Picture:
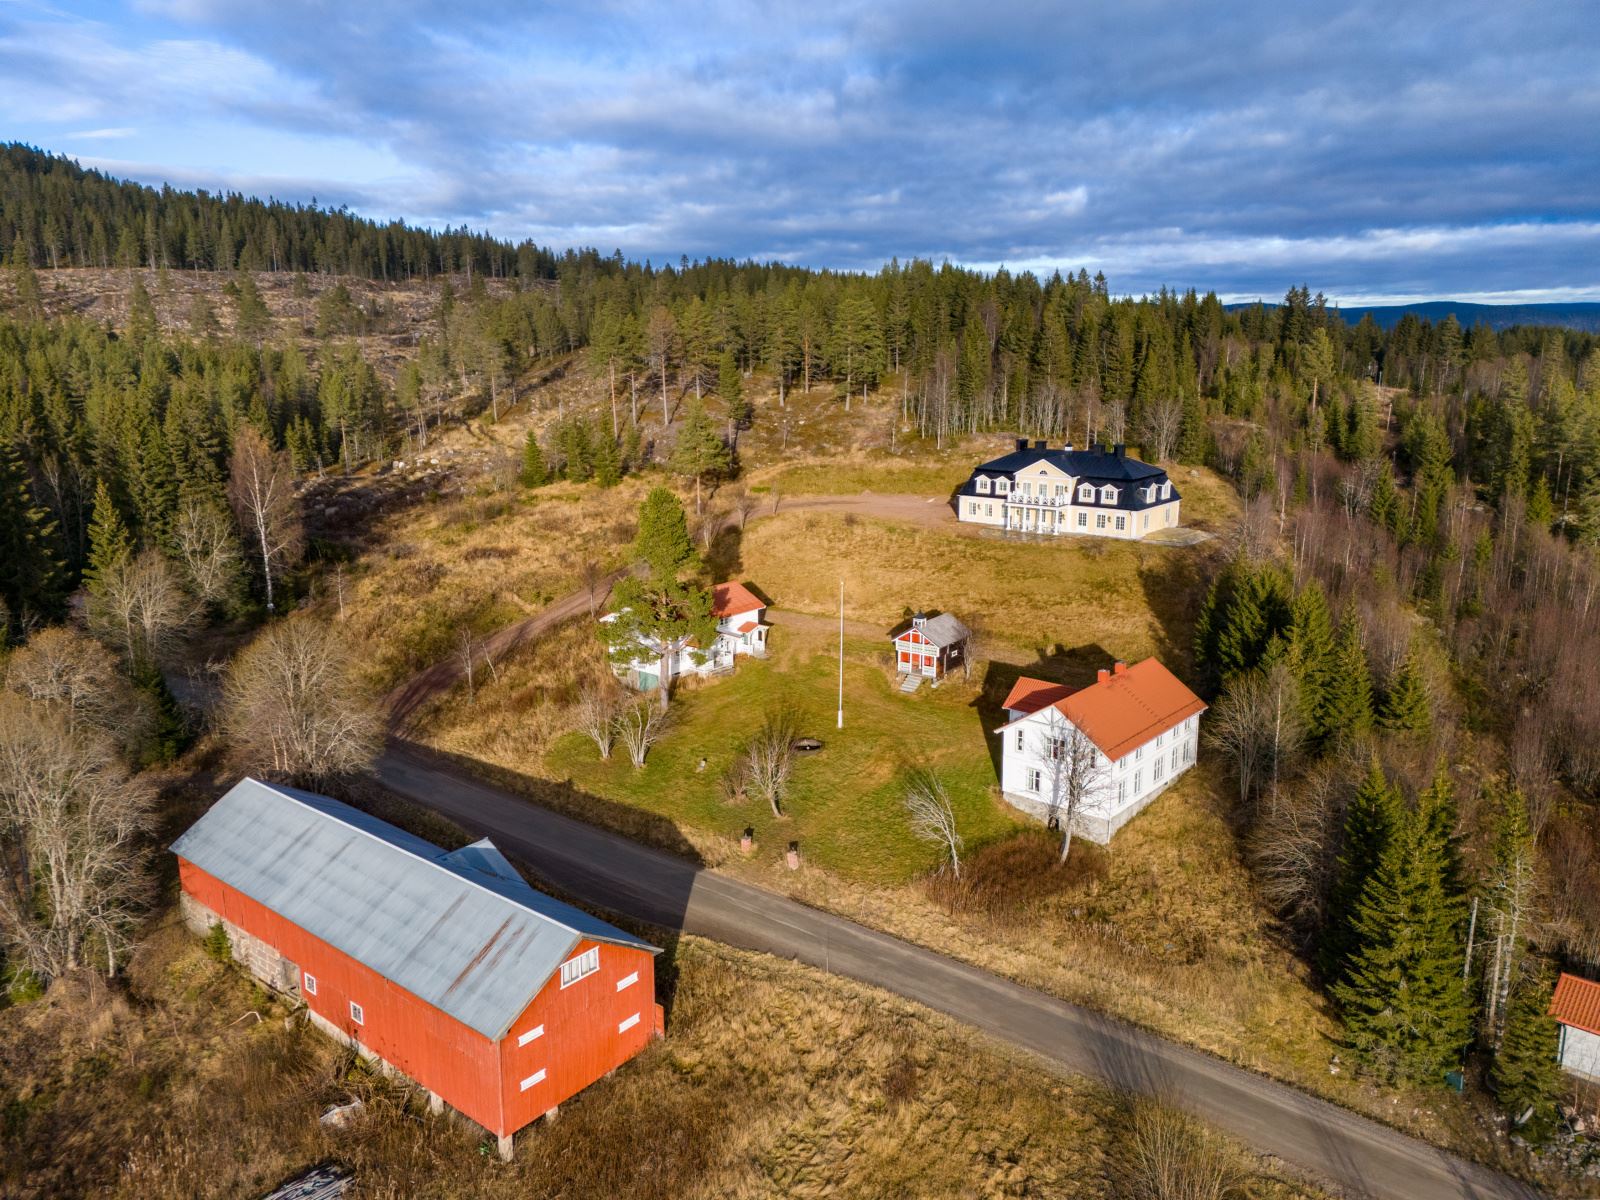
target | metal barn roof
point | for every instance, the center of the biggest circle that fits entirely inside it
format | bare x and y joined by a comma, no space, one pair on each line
460,930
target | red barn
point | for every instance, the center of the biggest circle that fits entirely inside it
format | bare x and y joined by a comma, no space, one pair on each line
443,966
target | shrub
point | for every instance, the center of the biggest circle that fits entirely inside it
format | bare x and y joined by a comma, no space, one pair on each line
218,945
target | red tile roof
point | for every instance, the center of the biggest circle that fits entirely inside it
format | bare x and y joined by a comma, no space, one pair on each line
731,599
748,626
1577,1003
1125,710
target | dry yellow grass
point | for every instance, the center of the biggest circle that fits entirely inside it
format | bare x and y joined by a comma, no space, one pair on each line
774,1081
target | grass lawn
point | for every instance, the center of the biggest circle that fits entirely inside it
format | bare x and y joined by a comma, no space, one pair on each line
844,803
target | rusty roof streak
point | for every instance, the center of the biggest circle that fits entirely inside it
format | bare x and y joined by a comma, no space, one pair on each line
478,957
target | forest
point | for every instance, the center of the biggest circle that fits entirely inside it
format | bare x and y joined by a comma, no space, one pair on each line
1414,582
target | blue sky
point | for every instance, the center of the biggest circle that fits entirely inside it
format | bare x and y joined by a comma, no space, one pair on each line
1389,150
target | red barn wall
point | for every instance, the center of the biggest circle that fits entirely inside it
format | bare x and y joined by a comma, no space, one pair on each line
433,1048
581,1041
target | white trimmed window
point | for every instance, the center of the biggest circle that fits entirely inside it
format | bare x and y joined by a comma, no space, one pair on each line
1083,520
356,1014
1122,522
1002,486
1019,739
1099,520
1188,751
1085,491
972,508
1157,770
309,984
1122,788
1027,488
583,964
536,1077
1166,491
627,981
983,485
1108,494
536,1032
1137,781
1034,779
624,1026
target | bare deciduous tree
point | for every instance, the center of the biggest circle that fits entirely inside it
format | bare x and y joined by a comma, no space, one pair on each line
1073,768
71,818
60,668
292,704
769,758
932,818
1160,425
1258,722
1293,842
745,503
638,728
261,491
139,606
596,713
208,551
1171,1156
593,577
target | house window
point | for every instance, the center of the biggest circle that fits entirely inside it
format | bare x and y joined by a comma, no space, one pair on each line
1061,489
1166,491
1085,492
1122,788
988,510
1019,740
983,485
1122,522
536,1077
1160,738
1055,748
972,508
310,984
1027,488
356,1015
1034,779
1157,770
1138,754
1099,520
1083,520
536,1032
1137,778
627,981
1188,751
1147,521
575,969
624,1026
1002,486
1108,494
1177,752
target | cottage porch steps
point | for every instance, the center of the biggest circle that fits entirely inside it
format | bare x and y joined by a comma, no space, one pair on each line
910,683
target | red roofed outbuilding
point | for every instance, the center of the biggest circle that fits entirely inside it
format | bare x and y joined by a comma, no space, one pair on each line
445,967
1576,1007
1142,723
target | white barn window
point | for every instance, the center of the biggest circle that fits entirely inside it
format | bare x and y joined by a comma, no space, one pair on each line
584,964
629,1023
536,1032
536,1077
310,984
627,981
356,1013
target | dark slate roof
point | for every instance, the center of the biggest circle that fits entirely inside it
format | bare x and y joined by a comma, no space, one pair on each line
460,930
1085,466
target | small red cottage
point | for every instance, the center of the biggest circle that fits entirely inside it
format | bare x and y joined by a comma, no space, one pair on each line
445,967
930,646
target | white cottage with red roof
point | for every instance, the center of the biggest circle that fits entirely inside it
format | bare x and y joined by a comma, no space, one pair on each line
1576,1007
740,630
1144,728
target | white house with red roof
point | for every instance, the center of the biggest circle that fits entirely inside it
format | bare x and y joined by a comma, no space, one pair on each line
1144,728
740,630
1576,1008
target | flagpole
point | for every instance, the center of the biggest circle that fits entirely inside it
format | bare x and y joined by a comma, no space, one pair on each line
841,654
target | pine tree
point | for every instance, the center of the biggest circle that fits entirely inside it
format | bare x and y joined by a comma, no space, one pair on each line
534,473
1347,701
730,386
1369,824
1405,707
665,611
110,546
1526,1075
699,453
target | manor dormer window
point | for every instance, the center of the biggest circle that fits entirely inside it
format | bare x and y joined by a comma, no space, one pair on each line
1002,486
1108,494
1085,491
1166,490
983,485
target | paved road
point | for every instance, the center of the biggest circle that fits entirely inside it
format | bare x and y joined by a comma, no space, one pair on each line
1363,1158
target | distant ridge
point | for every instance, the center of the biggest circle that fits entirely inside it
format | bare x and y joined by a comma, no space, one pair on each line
1581,316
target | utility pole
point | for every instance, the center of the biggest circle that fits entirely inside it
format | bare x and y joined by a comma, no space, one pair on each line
841,654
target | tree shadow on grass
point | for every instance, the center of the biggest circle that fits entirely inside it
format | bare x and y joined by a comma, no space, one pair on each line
1175,581
1074,668
725,558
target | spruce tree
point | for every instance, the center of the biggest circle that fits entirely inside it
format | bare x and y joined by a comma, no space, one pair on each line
1526,1075
1257,611
31,580
1369,824
110,546
1406,708
699,453
607,460
1400,991
1347,701
534,473
1541,508
1311,651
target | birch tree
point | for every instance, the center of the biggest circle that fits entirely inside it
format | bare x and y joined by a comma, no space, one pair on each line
931,816
261,492
207,551
1073,769
769,758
